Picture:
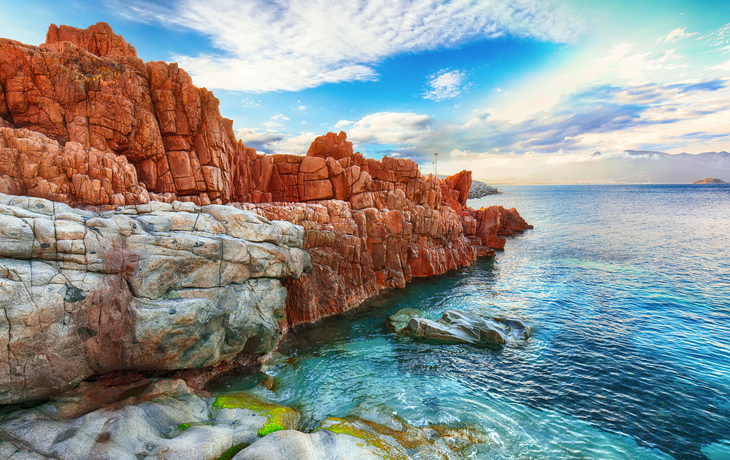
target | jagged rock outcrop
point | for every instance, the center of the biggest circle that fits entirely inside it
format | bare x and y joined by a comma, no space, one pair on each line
31,164
148,287
89,87
486,227
357,252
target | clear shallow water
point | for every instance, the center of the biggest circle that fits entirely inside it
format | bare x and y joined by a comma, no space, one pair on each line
628,291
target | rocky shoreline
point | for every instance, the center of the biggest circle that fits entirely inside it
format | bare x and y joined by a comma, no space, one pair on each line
141,240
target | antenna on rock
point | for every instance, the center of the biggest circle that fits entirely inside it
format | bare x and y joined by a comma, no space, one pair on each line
436,164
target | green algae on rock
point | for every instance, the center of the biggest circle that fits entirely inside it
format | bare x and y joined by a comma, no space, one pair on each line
399,320
278,417
342,426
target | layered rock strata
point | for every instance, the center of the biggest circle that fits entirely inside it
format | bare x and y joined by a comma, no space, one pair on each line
147,287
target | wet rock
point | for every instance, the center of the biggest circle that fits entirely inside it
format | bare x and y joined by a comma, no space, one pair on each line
461,327
400,319
160,419
357,438
518,328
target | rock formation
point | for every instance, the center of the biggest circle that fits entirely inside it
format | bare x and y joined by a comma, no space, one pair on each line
165,419
147,287
479,189
161,419
457,326
157,282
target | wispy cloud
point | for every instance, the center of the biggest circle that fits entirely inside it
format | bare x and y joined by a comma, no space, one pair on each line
445,84
600,117
676,35
296,44
390,128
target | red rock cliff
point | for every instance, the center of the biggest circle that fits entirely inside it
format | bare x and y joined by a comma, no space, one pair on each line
85,122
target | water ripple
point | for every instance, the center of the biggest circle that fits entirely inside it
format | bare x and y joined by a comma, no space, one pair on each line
627,289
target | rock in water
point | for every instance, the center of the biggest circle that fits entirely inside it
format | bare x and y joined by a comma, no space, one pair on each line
400,319
480,189
519,329
459,327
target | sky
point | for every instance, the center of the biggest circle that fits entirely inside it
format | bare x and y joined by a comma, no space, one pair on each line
494,86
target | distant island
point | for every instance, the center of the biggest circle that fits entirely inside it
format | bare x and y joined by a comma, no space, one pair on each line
709,180
479,189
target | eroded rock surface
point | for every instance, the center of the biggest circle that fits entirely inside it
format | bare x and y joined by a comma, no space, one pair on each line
148,287
356,438
457,326
161,419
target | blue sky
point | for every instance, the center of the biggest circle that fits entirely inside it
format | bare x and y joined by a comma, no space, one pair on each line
490,85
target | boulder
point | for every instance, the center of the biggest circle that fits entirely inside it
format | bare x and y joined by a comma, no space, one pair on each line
460,327
365,439
148,287
400,319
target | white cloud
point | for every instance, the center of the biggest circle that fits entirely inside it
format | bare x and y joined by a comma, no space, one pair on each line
302,107
391,128
637,68
296,44
456,153
676,35
248,101
343,123
280,116
273,142
445,84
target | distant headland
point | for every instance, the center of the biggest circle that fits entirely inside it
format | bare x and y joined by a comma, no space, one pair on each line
709,180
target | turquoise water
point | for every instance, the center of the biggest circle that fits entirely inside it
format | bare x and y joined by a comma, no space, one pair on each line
628,291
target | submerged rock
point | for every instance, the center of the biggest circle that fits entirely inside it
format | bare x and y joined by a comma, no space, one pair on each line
458,327
356,438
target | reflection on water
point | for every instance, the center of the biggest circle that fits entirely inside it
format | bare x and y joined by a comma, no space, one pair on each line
627,289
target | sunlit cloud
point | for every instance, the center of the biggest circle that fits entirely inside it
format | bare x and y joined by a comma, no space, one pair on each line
445,84
390,128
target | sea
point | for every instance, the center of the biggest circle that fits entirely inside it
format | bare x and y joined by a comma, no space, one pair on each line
627,289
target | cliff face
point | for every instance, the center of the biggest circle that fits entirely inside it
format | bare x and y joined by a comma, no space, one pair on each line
84,122
88,87
148,287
